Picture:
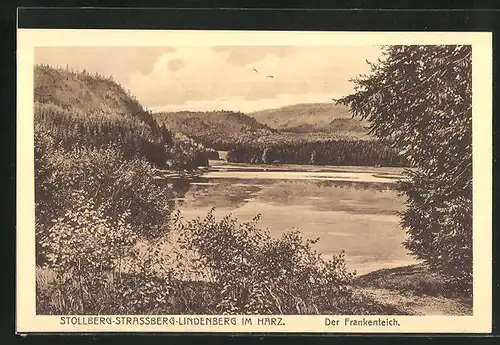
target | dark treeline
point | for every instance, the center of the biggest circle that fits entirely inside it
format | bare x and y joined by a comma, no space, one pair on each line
223,144
132,137
331,152
129,135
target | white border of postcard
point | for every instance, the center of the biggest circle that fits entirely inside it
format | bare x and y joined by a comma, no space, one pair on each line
480,322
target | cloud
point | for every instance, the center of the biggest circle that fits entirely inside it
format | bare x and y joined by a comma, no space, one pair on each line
175,64
119,62
210,74
244,55
240,104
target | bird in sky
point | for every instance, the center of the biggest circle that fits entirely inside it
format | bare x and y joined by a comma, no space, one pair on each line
269,76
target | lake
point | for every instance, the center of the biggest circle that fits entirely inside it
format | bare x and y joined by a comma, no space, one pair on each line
349,208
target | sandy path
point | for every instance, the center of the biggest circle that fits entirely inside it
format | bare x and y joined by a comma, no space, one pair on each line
417,305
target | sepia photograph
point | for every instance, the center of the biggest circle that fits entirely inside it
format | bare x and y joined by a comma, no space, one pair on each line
276,180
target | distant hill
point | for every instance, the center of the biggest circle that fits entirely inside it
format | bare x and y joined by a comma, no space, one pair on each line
222,122
214,126
223,130
311,118
77,108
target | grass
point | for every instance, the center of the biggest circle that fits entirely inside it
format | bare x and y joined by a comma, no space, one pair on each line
188,297
416,279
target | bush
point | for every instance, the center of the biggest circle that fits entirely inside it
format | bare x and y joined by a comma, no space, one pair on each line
83,244
256,274
97,266
115,184
233,268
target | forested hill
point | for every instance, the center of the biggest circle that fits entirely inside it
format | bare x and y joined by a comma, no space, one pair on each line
311,118
215,128
79,109
301,123
216,123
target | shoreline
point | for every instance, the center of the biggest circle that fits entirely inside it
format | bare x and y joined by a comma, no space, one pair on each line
412,290
225,170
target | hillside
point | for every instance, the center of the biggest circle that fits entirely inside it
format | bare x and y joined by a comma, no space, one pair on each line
220,123
85,92
215,127
89,110
311,118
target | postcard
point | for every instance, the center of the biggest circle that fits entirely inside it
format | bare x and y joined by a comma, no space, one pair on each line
254,181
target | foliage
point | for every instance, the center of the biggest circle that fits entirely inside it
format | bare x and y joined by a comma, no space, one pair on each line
121,185
418,99
81,238
187,153
92,209
97,271
255,273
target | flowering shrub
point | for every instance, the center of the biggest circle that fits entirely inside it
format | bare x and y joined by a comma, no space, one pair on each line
86,239
84,244
98,271
116,184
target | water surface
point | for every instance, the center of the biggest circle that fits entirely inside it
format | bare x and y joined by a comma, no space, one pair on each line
349,208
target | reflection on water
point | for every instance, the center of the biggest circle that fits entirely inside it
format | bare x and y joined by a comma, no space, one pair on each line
359,217
225,195
360,177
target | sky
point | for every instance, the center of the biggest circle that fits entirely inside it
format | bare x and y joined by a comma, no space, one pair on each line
240,78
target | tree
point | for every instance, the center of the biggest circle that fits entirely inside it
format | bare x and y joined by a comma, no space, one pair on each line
313,159
166,135
267,156
418,99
